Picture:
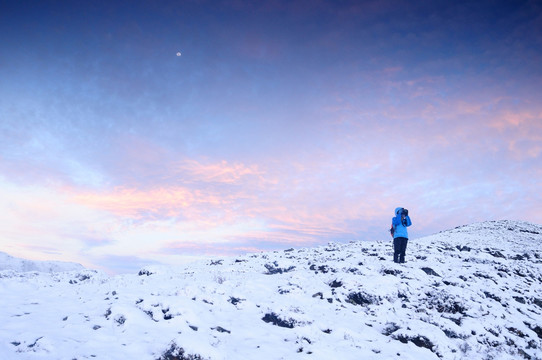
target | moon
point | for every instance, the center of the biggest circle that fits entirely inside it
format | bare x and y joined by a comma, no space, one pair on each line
178,53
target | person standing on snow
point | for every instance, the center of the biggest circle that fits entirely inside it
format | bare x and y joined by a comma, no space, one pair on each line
399,232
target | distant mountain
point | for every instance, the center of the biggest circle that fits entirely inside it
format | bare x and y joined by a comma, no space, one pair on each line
474,292
8,262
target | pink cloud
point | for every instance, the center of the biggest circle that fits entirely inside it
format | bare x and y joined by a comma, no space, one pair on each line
131,202
522,132
204,189
220,172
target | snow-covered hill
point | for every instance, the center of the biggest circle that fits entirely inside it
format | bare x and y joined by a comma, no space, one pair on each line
8,262
474,292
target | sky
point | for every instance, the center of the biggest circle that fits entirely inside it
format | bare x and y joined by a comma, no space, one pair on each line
142,132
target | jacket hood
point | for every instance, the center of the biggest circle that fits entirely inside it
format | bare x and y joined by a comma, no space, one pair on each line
398,210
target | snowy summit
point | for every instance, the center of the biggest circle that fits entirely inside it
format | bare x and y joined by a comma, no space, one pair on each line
8,262
474,292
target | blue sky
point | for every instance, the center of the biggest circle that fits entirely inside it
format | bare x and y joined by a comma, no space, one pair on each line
281,124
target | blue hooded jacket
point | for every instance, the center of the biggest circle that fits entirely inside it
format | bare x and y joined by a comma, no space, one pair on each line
400,230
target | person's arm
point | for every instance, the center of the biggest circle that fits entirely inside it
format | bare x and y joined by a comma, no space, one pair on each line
408,222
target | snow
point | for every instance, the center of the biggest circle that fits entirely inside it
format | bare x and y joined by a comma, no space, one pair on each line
474,292
8,262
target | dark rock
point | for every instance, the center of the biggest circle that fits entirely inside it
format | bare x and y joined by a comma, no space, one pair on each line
456,321
234,300
336,284
390,329
524,354
150,314
450,334
494,332
120,320
177,353
318,294
83,277
463,248
145,272
452,308
36,341
516,332
393,272
519,299
538,330
444,303
495,253
430,271
275,320
272,270
217,262
324,269
492,296
419,341
520,257
362,299
221,329
484,276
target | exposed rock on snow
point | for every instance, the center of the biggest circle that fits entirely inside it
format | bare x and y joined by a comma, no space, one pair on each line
474,292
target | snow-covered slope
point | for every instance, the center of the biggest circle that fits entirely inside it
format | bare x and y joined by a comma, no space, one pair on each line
8,262
474,292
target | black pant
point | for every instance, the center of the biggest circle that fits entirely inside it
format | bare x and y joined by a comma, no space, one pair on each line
399,247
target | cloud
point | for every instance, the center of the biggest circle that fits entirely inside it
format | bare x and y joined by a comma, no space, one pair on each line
205,189
42,223
219,172
522,131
